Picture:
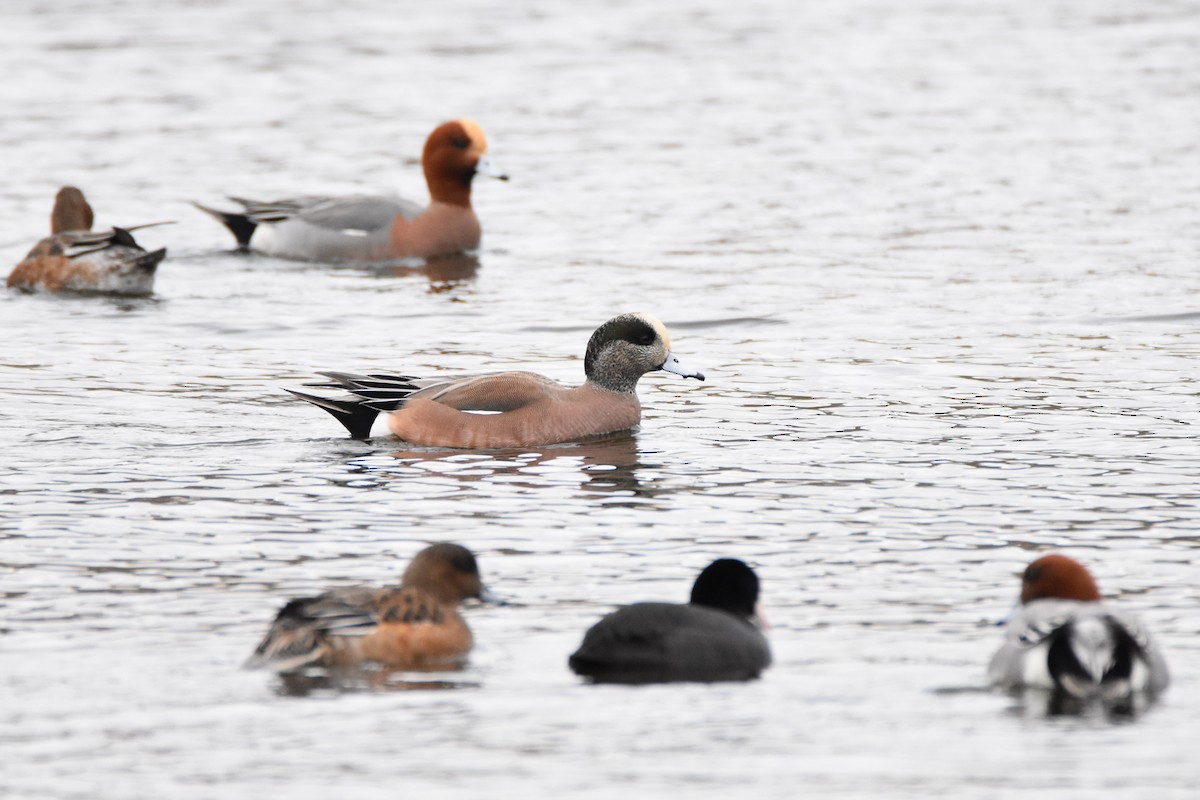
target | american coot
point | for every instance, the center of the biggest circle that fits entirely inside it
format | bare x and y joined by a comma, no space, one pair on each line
712,638
414,625
1065,639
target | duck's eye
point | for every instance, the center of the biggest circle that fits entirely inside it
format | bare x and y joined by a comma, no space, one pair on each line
644,338
460,142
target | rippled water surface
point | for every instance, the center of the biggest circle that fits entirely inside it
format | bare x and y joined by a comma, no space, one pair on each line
938,259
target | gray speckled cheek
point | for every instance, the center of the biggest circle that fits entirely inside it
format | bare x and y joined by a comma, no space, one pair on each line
616,369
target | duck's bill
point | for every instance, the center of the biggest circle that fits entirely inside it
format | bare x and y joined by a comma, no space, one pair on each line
485,166
760,617
490,597
673,364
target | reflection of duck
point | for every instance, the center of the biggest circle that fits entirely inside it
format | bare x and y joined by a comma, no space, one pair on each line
372,227
74,258
608,465
443,272
1064,639
531,410
415,625
304,683
711,638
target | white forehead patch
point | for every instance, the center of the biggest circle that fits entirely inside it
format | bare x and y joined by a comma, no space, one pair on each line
474,132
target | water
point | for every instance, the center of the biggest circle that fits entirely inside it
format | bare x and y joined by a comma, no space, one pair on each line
938,261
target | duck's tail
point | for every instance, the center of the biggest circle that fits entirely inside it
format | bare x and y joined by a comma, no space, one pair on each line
1093,656
148,262
239,224
369,395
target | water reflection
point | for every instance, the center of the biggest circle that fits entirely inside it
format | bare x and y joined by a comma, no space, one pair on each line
612,466
444,272
315,680
1045,703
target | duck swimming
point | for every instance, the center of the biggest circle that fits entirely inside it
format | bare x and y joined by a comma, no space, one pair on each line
530,410
376,227
74,258
415,625
1066,639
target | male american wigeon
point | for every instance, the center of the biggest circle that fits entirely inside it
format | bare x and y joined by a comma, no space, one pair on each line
533,410
415,625
373,227
715,637
1064,638
74,258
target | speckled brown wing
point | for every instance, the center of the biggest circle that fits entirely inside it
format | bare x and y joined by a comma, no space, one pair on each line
303,630
414,631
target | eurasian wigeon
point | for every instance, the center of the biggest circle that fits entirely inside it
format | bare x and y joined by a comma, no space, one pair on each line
377,228
1064,638
413,626
74,258
714,637
533,410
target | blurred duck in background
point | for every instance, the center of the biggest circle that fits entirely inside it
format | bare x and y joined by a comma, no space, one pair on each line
74,258
377,227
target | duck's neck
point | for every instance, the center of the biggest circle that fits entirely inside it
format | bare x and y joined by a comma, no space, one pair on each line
452,189
613,382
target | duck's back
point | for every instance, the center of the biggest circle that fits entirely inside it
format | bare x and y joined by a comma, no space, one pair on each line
352,228
88,261
1082,648
654,642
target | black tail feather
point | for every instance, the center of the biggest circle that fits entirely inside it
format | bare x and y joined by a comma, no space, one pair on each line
240,225
372,394
150,261
355,415
353,382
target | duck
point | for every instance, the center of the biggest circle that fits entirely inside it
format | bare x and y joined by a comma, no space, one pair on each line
716,636
74,258
1064,638
528,410
365,227
415,625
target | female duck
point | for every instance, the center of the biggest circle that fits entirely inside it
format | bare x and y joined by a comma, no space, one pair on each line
715,637
377,228
533,410
74,258
413,626
1065,639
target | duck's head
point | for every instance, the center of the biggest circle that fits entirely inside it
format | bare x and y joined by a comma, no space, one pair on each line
454,153
71,211
447,571
625,348
1058,577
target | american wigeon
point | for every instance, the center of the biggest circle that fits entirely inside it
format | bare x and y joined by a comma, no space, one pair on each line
1065,639
74,258
377,228
713,638
413,626
533,410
